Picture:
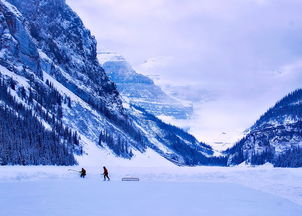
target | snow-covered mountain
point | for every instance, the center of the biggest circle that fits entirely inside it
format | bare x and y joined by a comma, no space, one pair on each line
66,108
141,90
276,137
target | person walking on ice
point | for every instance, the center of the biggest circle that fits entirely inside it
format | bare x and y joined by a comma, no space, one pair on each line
105,173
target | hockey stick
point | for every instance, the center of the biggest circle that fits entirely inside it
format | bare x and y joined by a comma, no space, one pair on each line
73,170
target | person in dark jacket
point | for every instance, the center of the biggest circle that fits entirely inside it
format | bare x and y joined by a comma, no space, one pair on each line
105,173
83,173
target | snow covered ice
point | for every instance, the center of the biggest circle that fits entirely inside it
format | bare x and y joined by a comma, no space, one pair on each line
161,191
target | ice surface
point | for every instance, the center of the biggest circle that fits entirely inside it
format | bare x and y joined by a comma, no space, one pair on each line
211,191
95,197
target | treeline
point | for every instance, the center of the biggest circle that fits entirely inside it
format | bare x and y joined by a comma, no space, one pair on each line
174,132
23,138
191,151
290,158
191,155
244,150
119,119
117,144
290,106
35,145
47,102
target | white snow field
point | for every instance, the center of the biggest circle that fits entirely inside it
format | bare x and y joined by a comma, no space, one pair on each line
240,191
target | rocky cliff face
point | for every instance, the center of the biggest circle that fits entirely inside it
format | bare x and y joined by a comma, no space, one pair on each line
68,50
17,47
50,73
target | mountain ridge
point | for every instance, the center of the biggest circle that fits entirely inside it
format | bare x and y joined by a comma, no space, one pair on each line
275,137
49,64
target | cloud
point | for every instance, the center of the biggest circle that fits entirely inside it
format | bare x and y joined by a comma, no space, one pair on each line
290,70
155,62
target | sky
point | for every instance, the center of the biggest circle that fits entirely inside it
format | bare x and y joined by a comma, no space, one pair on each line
236,58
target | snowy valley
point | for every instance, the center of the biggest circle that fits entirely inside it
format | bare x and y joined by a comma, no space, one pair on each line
50,74
63,106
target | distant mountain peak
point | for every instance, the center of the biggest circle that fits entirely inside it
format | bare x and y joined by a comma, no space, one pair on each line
140,89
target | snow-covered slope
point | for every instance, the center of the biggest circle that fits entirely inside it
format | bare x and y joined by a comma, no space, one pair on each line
141,90
276,137
49,67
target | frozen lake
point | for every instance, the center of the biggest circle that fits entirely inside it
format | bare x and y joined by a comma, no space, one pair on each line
95,197
39,191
